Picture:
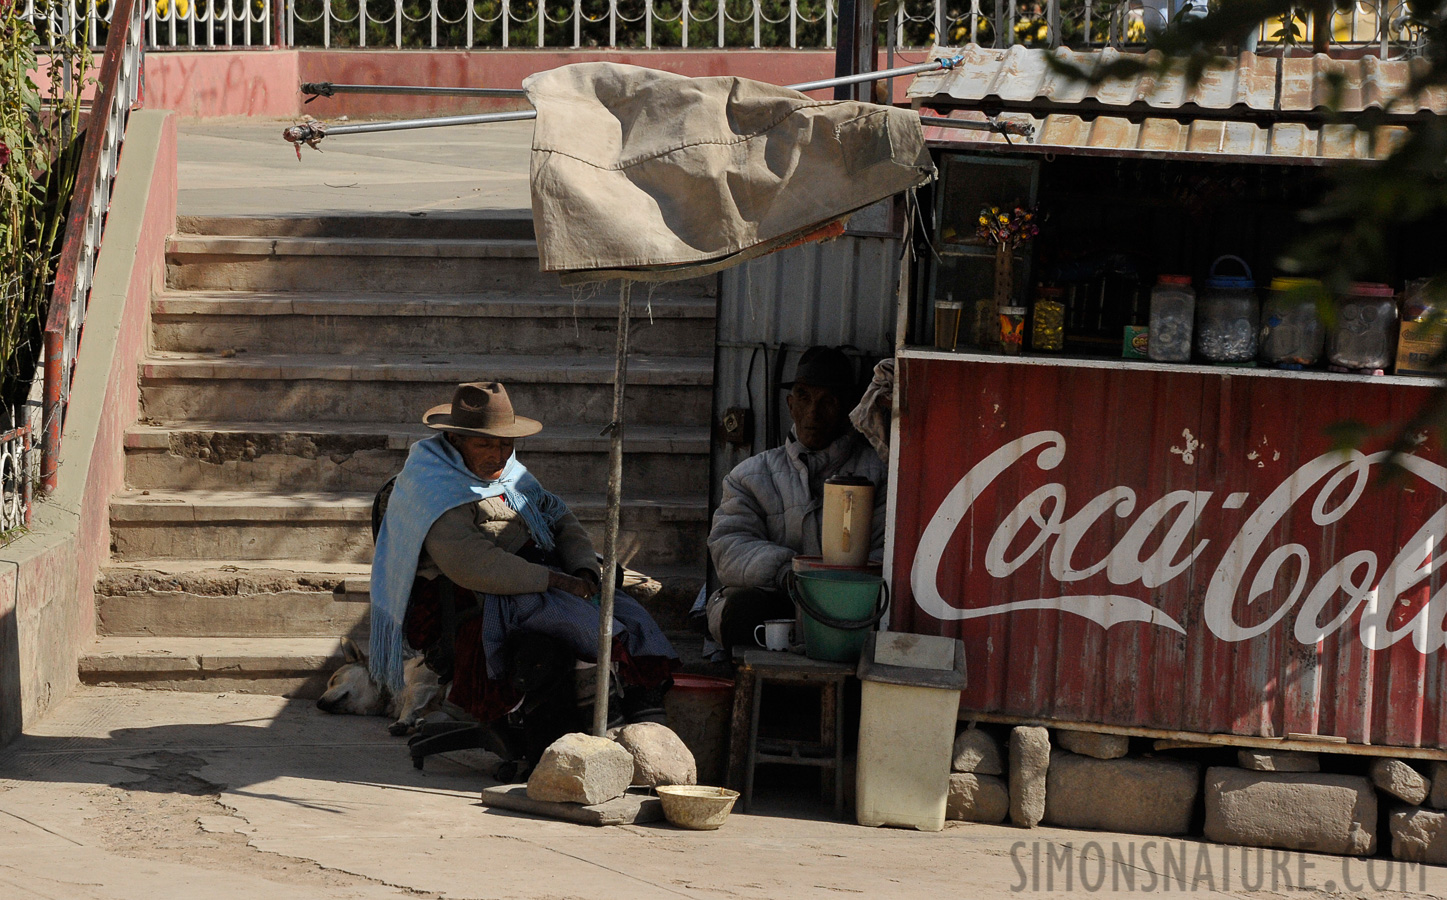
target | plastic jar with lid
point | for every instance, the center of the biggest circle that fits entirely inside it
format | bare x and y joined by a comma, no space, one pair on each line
1227,316
1047,331
1173,312
1292,333
1364,336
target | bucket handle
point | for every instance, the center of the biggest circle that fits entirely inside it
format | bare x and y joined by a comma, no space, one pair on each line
823,618
1242,262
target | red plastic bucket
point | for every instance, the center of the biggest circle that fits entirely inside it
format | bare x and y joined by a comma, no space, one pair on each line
699,708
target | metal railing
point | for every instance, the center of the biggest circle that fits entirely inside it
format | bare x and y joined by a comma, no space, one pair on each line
105,129
1379,25
16,475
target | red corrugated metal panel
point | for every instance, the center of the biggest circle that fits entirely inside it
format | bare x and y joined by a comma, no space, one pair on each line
1173,548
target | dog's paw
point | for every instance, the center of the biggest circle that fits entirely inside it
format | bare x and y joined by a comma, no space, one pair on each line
399,728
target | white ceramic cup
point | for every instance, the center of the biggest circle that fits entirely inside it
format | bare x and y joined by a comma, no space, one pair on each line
776,634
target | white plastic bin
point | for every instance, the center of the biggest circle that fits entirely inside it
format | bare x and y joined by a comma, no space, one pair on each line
909,705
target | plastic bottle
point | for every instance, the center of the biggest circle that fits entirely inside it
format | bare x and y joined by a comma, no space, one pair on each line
1173,311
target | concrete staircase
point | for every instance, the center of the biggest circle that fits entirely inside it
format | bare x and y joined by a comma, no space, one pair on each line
292,360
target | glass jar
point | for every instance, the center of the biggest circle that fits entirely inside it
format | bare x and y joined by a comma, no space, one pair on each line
1292,333
1365,334
1173,311
1227,316
1047,327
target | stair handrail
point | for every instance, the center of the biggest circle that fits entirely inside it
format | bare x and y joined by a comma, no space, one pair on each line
116,92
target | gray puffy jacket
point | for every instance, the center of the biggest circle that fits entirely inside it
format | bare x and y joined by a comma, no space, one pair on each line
767,515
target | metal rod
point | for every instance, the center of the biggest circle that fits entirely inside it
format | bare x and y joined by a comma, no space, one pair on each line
1020,129
327,89
615,506
312,132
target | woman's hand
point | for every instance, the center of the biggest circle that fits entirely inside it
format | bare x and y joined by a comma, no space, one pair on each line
578,587
591,577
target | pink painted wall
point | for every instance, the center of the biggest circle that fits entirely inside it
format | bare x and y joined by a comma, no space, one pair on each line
266,82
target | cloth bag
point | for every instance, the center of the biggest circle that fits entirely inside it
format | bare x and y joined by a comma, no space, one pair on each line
652,176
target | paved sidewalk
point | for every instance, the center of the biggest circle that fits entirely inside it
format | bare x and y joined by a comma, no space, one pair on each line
244,168
139,795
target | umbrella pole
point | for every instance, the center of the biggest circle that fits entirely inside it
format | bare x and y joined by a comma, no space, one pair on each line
610,526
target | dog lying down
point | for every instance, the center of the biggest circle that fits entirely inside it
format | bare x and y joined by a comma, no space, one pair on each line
351,691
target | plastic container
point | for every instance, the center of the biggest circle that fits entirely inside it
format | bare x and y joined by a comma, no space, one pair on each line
1423,332
840,607
1228,316
1047,324
1012,329
699,708
1173,316
1364,336
908,706
848,517
1292,333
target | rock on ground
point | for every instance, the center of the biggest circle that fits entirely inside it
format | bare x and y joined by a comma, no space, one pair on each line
1293,811
659,755
1029,762
581,768
1090,743
1400,780
978,752
1278,761
977,798
1419,835
1438,798
1136,796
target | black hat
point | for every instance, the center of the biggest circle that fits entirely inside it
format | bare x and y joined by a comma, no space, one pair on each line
824,367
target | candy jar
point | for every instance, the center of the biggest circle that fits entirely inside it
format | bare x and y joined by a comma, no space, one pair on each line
1047,332
1292,333
1173,306
1365,334
1226,316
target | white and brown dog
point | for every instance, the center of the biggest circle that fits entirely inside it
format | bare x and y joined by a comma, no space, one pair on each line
352,691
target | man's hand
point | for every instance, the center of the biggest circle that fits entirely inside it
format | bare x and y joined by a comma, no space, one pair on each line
571,584
591,577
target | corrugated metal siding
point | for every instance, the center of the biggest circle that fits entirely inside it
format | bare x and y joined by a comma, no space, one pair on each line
1249,85
1272,529
840,293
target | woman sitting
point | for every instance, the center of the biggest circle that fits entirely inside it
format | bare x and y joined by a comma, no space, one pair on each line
464,507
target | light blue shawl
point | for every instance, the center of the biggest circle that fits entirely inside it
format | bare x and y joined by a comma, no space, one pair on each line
434,480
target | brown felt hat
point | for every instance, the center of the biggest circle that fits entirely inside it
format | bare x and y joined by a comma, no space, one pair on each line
481,408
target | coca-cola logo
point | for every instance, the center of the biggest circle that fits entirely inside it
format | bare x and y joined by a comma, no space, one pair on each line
1042,527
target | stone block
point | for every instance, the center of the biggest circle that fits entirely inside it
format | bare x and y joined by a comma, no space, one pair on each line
1278,761
659,755
978,752
1135,796
1029,762
1293,811
1438,798
1419,835
1400,780
1090,743
977,798
581,768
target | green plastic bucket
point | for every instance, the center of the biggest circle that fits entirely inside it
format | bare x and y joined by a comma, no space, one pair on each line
840,608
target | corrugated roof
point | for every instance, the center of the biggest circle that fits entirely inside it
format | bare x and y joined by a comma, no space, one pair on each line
1252,106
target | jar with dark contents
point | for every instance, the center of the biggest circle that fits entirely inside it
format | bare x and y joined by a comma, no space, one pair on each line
1047,325
1364,336
1292,333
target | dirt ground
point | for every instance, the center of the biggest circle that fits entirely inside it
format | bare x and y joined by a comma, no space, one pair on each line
141,795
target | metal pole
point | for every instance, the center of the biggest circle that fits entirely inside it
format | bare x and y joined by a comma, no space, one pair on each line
326,89
610,525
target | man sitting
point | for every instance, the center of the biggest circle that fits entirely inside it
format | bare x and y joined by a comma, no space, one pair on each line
772,503
464,507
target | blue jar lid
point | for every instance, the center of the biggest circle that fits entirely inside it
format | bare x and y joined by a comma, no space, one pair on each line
1230,282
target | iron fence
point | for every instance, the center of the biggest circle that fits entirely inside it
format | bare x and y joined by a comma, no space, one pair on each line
1380,25
17,473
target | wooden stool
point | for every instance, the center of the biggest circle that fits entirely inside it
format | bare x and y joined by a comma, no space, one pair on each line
826,754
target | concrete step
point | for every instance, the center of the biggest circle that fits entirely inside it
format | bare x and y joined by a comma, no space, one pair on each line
336,527
285,666
384,264
398,388
502,322
216,598
504,224
361,457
